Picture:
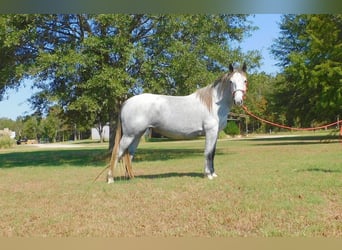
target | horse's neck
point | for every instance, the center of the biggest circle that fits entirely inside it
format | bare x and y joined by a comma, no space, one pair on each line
222,97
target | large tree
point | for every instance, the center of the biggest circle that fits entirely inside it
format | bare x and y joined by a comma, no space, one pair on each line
310,51
89,64
16,54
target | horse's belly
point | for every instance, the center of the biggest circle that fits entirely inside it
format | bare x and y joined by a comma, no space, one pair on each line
179,133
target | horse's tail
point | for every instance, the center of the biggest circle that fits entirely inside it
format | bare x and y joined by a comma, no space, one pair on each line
125,158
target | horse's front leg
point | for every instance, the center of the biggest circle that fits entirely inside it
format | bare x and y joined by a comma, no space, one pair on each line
110,176
210,148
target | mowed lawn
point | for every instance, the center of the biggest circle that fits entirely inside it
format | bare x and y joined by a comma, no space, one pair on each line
290,186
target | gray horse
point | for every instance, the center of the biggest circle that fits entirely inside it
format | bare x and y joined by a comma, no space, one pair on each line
204,112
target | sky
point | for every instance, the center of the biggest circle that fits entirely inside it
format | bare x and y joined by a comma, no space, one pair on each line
15,102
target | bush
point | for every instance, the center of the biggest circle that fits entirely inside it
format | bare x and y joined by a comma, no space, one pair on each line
232,129
6,142
222,135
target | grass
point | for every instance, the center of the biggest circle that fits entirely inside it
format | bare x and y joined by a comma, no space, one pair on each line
266,187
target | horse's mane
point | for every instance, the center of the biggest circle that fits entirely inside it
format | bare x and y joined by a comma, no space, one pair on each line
206,94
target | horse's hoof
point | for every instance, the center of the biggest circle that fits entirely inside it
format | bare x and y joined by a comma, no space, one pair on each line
210,177
214,175
110,180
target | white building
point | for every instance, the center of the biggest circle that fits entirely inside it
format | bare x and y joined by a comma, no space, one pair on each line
8,132
96,136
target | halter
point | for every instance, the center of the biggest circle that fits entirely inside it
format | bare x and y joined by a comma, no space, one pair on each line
244,91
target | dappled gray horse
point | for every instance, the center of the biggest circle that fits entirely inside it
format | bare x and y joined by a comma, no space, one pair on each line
181,117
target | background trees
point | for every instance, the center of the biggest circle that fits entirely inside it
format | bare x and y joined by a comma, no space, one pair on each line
88,64
310,52
85,65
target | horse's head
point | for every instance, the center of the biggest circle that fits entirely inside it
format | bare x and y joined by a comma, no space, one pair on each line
238,81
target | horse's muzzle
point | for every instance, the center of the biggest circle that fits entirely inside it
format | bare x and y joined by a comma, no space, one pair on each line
238,97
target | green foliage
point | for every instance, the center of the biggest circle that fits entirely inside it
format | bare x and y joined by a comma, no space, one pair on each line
6,142
17,34
7,123
260,90
89,64
31,128
232,129
50,126
260,101
310,50
222,135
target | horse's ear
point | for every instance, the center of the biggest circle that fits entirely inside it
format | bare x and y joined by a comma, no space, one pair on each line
231,68
244,67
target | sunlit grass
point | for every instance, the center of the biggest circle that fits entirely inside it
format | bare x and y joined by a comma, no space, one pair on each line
266,187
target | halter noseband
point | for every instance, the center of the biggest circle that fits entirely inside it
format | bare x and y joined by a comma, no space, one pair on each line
242,90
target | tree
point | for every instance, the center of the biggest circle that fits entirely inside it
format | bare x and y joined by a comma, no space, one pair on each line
51,125
310,50
31,128
7,123
12,64
259,100
19,126
89,64
259,96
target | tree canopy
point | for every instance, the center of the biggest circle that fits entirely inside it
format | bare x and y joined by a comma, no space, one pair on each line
309,50
88,64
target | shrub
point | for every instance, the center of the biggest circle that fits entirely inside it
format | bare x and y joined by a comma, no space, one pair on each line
6,141
232,129
222,135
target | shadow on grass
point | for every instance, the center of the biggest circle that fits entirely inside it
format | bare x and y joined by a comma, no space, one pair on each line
296,140
321,170
162,176
167,154
169,175
87,157
53,158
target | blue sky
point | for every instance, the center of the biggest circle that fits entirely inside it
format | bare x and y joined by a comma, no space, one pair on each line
15,102
263,38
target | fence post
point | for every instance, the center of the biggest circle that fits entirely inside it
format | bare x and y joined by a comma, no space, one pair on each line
338,121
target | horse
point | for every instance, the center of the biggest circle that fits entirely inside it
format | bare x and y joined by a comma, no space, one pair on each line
203,112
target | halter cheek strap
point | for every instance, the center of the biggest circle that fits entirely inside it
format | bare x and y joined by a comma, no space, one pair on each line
242,90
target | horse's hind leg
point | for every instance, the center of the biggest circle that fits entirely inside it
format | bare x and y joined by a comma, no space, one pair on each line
125,142
133,147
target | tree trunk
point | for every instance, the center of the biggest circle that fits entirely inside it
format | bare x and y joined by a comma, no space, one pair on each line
75,133
113,119
114,114
100,131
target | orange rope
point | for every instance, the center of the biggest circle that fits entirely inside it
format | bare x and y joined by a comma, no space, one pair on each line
287,127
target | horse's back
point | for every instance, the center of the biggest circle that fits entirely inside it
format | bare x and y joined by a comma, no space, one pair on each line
173,116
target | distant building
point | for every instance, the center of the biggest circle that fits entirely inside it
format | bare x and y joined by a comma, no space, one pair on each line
96,136
8,132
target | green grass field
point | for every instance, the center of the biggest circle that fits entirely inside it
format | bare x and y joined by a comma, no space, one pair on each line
290,186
